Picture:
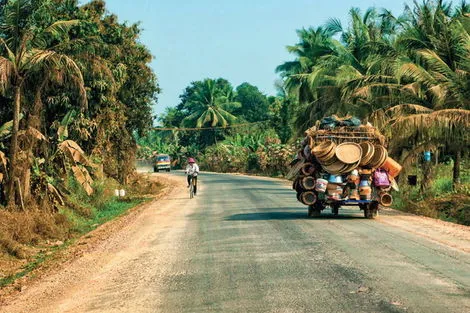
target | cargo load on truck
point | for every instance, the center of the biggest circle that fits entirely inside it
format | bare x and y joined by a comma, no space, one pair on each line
342,162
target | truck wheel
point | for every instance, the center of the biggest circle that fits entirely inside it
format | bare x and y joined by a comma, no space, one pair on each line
168,170
155,169
315,209
371,210
335,209
313,212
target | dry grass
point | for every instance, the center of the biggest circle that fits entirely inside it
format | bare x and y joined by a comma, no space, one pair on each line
141,184
13,248
31,227
25,237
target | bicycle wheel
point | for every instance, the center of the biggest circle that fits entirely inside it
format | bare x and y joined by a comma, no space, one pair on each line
191,190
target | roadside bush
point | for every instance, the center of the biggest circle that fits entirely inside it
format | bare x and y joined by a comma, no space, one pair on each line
439,200
224,158
19,229
253,163
271,159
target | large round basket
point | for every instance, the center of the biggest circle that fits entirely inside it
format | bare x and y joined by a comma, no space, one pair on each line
323,152
334,168
349,152
367,153
380,155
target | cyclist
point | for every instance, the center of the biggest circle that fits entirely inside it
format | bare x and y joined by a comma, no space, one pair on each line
192,169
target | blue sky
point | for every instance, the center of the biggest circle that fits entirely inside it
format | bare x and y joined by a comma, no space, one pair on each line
240,40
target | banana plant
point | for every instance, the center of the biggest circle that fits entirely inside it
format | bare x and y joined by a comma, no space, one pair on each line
5,131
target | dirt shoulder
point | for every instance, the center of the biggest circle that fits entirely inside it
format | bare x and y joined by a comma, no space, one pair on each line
446,233
83,246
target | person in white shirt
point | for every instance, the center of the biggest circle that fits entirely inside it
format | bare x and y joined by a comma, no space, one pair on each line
192,170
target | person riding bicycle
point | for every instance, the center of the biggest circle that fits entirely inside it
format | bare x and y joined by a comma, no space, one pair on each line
192,169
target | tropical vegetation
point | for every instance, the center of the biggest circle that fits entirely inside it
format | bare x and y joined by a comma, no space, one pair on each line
407,74
75,87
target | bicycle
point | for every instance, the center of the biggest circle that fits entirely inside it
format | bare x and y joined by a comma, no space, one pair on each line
192,187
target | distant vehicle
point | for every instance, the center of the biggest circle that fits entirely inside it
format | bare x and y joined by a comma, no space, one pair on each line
162,162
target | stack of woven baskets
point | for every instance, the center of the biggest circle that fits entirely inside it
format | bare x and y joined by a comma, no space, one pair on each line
352,163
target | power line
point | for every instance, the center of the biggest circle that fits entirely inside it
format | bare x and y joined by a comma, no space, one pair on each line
207,128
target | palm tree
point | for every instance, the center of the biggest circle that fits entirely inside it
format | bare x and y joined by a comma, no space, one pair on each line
27,52
306,80
435,72
211,106
437,47
420,129
348,76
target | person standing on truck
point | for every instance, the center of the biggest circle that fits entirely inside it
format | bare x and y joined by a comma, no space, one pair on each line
192,170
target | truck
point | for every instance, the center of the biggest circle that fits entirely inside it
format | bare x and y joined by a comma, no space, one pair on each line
162,162
342,165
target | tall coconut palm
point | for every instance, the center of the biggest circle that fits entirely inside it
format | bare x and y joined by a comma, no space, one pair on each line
348,76
306,80
436,60
210,105
26,52
432,72
365,71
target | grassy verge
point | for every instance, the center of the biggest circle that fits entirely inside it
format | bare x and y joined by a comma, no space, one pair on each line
43,234
79,226
109,211
439,200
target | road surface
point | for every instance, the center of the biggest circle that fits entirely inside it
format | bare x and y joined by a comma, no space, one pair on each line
244,244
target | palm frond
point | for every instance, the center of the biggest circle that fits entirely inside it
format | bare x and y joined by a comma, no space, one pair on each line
191,120
435,63
407,109
47,59
447,126
202,119
11,55
416,73
61,28
334,25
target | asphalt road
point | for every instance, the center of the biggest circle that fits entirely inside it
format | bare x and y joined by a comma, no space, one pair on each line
250,248
244,244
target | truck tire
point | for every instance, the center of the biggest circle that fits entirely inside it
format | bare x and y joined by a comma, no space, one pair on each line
313,212
335,209
155,169
315,209
371,211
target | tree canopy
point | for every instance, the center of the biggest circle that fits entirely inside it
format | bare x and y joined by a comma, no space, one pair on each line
70,72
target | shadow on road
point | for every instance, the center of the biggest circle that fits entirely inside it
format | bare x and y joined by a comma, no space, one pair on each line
265,216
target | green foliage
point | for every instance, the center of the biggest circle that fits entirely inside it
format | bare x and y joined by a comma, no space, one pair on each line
380,61
440,199
254,105
256,152
209,103
73,72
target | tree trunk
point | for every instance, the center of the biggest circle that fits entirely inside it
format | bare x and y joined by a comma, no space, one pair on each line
34,121
456,174
427,177
14,147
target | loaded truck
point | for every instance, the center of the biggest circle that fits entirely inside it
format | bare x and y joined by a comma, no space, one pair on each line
339,164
